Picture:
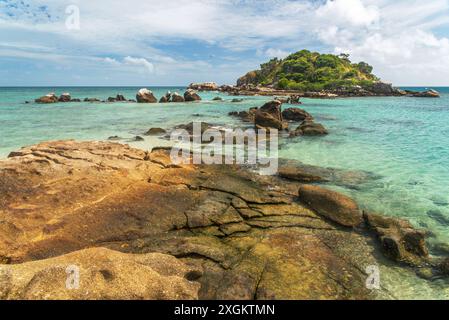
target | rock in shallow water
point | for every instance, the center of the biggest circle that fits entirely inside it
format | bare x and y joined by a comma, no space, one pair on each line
332,205
145,96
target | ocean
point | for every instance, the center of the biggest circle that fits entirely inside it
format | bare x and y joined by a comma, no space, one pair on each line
403,142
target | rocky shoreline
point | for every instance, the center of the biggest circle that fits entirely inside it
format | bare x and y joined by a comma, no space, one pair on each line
139,227
124,216
375,90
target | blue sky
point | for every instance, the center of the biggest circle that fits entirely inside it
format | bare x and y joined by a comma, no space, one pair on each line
176,42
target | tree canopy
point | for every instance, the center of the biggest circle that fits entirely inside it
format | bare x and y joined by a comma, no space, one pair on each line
311,71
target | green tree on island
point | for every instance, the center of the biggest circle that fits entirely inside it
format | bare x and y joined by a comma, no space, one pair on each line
311,71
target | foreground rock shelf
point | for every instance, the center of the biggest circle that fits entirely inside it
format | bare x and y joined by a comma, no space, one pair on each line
133,220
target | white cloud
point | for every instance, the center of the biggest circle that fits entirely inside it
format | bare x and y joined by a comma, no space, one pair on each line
276,53
140,62
397,37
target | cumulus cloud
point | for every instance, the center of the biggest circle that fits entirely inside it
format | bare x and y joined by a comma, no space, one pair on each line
141,62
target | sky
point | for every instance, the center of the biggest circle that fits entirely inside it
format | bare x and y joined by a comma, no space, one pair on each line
176,42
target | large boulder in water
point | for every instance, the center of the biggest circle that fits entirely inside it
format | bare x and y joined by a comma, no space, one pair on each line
273,108
267,120
176,97
332,205
191,95
296,114
145,96
65,97
49,98
381,88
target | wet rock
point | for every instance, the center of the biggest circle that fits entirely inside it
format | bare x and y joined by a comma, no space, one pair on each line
91,100
217,99
138,138
177,98
145,96
273,108
332,205
266,120
246,116
400,240
155,132
49,98
426,94
236,100
76,100
120,98
298,174
190,126
309,128
114,138
112,99
104,274
191,95
296,114
65,97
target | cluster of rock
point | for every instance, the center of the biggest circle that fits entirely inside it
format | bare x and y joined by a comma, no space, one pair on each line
138,227
270,115
143,96
66,97
52,98
147,96
377,88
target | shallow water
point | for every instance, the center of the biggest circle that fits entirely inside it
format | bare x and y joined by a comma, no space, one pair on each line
403,140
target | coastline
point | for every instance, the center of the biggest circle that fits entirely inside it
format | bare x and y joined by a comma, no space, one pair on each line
264,219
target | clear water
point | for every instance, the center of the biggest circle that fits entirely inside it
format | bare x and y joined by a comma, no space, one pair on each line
403,140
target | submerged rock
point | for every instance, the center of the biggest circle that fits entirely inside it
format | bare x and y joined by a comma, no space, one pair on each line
145,96
400,240
191,95
309,128
155,132
103,274
332,205
296,114
217,99
49,98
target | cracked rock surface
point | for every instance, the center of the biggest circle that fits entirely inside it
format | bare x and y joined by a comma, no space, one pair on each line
237,235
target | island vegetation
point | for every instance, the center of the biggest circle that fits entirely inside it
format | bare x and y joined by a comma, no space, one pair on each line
311,71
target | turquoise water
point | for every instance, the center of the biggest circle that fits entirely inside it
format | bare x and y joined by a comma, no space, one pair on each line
403,140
